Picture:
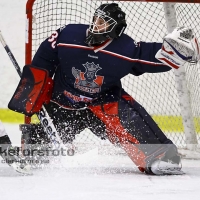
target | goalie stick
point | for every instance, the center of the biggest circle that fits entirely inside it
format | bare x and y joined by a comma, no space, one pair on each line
42,115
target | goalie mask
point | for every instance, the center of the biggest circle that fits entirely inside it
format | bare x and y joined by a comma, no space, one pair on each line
108,23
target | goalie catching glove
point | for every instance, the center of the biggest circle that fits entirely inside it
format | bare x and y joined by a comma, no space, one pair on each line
33,90
179,47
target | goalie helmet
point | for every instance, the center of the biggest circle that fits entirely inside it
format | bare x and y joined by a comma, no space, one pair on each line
112,24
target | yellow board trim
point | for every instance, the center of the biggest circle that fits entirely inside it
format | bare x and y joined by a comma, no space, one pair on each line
166,123
174,123
9,116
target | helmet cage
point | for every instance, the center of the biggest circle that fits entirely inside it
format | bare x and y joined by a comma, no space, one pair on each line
111,25
106,27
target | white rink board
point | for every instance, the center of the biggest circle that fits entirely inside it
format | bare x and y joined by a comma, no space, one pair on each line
13,29
12,26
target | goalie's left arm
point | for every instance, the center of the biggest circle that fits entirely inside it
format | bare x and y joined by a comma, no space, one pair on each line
179,47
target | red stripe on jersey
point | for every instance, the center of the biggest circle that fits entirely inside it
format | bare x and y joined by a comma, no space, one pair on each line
75,46
110,53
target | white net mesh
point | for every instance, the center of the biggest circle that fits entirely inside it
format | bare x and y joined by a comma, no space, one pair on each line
146,22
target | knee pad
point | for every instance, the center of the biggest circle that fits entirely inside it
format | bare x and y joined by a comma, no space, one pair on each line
139,123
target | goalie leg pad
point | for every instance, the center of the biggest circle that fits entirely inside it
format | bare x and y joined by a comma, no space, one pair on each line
34,89
153,141
130,126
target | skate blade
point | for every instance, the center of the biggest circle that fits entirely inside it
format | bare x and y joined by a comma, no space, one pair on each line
24,171
172,172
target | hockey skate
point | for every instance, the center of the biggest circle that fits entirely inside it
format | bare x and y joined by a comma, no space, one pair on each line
12,157
161,167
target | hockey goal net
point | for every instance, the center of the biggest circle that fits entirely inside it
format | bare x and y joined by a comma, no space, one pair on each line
147,21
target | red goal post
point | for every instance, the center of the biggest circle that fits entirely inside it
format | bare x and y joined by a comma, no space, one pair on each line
172,98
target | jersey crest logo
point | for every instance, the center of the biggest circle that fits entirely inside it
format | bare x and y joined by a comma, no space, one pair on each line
88,81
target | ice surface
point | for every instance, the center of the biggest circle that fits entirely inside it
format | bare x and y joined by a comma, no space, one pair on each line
91,176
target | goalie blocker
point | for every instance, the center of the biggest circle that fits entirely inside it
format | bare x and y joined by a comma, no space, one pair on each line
33,90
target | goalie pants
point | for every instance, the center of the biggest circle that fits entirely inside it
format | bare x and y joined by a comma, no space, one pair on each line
118,117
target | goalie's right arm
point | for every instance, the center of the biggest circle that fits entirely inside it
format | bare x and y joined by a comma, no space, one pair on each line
46,56
179,47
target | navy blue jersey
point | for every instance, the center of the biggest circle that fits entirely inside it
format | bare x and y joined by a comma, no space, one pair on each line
82,72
